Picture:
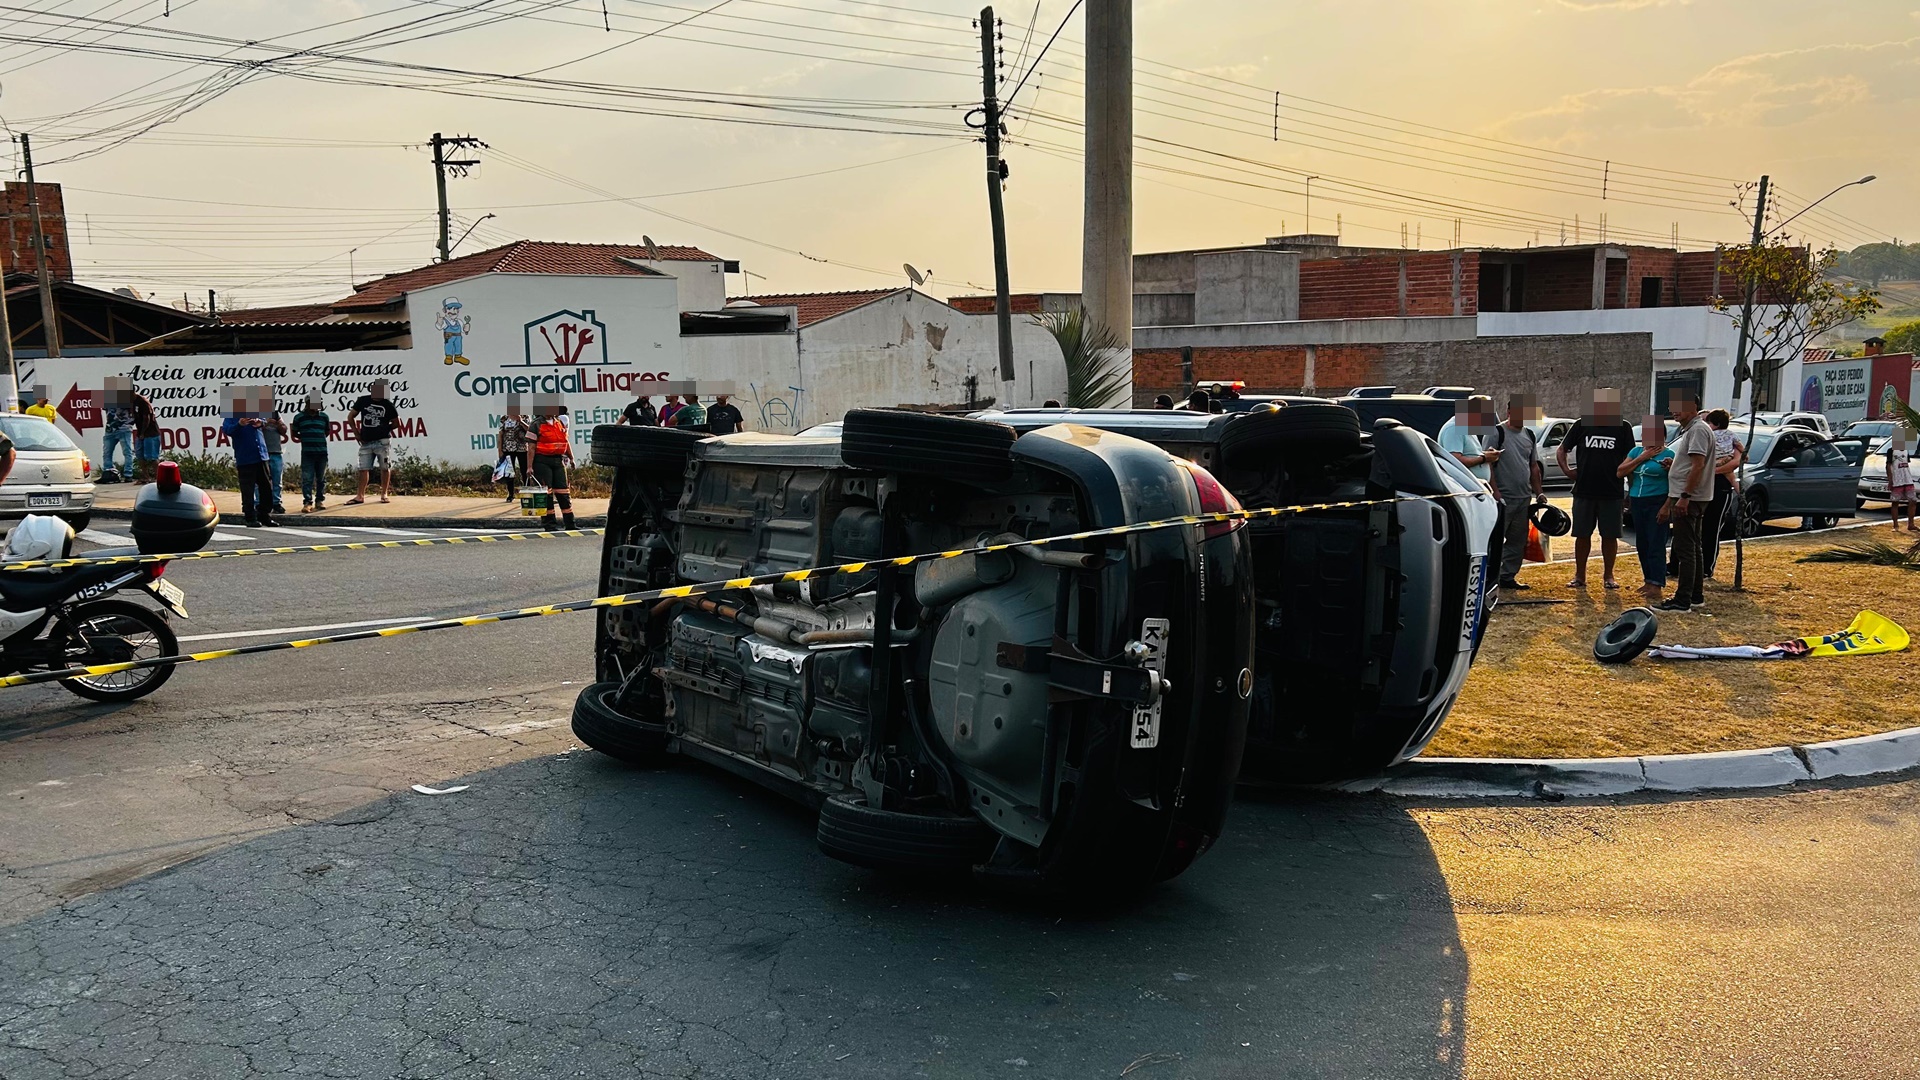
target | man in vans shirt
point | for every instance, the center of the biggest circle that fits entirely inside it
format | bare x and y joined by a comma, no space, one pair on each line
723,417
377,417
1517,476
1600,441
1689,490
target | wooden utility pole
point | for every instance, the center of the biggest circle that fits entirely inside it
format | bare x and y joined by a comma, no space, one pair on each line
1106,255
996,208
49,318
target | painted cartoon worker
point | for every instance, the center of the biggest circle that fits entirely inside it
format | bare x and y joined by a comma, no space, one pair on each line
453,330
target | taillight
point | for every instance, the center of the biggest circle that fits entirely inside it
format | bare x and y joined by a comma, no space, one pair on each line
154,570
1214,499
86,465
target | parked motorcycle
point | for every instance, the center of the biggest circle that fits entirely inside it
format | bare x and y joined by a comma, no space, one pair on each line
57,618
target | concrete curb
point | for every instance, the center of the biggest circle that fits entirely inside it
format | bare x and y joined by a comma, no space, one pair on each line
321,521
1774,768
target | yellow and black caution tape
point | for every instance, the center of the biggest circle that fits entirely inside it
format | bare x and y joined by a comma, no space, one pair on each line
237,553
676,592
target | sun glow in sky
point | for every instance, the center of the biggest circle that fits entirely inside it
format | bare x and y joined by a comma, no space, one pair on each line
845,153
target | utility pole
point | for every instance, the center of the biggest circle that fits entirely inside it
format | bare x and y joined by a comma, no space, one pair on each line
1742,370
996,175
1106,252
442,163
10,378
49,318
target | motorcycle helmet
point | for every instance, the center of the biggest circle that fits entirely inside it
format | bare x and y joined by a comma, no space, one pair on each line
1551,520
39,537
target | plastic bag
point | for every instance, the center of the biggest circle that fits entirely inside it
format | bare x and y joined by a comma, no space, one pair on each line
503,471
1536,544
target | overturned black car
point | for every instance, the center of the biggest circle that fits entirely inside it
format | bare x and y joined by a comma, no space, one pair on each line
1061,716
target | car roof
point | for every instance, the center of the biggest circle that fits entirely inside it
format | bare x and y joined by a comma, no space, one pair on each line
1152,425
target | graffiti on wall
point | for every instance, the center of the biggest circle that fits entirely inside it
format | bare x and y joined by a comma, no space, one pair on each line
779,413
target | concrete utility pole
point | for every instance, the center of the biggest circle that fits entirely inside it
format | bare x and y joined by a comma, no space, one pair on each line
442,163
996,175
49,318
1106,253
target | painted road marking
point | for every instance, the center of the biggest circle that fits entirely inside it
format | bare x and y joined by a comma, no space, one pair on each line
232,538
106,539
311,533
378,532
278,630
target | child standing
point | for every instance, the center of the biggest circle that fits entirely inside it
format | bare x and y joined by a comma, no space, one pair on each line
1900,478
310,426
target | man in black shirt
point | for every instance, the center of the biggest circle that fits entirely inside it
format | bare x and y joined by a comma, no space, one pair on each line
1599,442
378,418
642,413
723,418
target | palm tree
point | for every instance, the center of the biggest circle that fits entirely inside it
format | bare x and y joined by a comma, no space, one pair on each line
1099,365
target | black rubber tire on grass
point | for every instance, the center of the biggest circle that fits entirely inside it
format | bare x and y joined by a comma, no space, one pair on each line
1627,636
1255,437
891,440
854,832
603,727
649,449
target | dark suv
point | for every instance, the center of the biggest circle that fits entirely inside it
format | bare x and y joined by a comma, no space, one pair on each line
1369,616
1063,715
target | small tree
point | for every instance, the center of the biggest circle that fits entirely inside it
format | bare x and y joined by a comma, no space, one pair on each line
1099,366
1795,299
1798,301
1904,337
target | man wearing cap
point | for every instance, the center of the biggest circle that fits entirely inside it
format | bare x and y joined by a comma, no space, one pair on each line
377,418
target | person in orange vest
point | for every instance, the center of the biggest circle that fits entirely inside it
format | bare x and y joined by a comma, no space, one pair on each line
552,455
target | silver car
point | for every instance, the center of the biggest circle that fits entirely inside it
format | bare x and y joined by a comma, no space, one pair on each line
50,474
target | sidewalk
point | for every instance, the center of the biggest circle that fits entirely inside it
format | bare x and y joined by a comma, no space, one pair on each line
115,501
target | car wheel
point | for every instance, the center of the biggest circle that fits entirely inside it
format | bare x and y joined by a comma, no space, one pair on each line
1627,636
650,449
78,521
1753,514
1255,437
854,832
602,726
891,440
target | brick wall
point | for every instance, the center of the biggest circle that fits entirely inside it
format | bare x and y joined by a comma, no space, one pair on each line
1384,286
1559,282
1694,278
1560,370
1017,303
1646,262
16,232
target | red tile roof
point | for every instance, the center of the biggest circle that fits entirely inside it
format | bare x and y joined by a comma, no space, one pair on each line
520,257
279,316
813,307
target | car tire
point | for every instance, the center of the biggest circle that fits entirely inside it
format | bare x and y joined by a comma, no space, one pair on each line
78,521
854,832
603,727
891,440
1753,515
1253,438
649,449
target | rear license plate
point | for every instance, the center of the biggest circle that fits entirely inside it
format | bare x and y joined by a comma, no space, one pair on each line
1146,718
170,596
34,501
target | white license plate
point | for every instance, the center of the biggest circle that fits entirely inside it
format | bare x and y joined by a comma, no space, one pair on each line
169,595
1475,619
1146,718
34,501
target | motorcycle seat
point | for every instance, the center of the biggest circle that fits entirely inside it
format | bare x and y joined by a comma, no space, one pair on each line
24,589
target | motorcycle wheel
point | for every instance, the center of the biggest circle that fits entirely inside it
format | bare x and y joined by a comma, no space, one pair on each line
112,632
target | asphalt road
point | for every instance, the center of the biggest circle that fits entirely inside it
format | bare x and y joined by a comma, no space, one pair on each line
234,878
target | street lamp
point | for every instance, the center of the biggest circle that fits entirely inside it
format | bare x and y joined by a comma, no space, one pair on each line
1867,179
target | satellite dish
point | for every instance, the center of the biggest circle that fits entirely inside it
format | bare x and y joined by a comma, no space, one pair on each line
913,275
653,249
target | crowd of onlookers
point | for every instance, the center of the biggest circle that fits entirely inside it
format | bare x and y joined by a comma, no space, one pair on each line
1675,492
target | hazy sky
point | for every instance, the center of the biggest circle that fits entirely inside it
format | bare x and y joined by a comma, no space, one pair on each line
1498,113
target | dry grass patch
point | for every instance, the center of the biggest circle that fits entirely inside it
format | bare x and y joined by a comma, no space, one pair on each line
1538,692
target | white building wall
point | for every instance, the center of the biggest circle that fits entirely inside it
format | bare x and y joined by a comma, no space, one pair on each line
702,284
450,410
1683,338
764,372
